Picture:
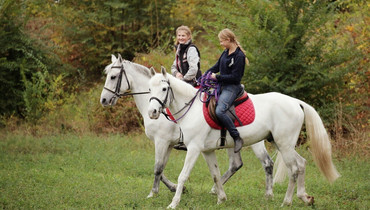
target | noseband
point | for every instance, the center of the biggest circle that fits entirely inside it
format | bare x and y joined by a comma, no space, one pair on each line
117,91
163,104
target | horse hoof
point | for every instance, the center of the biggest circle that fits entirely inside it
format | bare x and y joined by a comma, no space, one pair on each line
151,195
269,196
311,200
221,200
184,190
286,203
171,206
213,191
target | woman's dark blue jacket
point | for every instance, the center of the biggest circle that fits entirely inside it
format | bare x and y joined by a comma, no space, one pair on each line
231,67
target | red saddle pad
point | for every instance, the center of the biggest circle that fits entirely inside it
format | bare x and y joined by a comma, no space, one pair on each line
244,111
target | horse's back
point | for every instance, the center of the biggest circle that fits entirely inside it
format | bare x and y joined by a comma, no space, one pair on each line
277,109
273,100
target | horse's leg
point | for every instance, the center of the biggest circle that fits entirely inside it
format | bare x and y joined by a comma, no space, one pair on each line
260,151
191,158
235,163
291,161
162,152
170,185
301,190
211,160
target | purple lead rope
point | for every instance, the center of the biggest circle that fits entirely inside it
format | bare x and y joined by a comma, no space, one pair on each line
209,86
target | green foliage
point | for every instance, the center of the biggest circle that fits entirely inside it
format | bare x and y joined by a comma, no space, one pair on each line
42,94
289,46
94,30
11,41
30,72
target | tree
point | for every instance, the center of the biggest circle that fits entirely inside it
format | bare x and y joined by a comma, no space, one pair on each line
95,29
289,46
28,68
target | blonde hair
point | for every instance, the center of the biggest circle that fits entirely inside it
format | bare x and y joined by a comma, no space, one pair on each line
185,29
227,34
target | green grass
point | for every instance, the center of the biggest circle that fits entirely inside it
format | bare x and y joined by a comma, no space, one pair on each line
116,172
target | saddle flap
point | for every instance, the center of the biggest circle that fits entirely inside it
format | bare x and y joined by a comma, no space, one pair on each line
242,111
231,111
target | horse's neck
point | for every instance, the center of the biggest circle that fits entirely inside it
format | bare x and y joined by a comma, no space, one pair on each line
140,83
181,96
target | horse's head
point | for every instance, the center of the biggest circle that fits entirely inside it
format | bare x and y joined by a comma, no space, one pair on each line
116,82
161,93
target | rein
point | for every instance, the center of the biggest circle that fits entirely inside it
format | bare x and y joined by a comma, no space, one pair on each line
190,103
207,85
117,91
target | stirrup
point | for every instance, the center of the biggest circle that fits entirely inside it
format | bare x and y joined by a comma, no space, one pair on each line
180,146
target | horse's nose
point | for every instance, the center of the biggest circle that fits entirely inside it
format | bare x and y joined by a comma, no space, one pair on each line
153,114
103,100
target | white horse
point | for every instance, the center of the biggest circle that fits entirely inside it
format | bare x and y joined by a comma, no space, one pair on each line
127,78
278,116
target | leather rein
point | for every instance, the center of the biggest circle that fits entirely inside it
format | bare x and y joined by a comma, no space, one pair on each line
117,91
168,97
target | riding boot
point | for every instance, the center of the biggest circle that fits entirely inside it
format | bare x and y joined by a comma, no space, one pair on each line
180,146
238,142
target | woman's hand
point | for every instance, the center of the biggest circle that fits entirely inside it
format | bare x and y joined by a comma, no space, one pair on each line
179,75
213,76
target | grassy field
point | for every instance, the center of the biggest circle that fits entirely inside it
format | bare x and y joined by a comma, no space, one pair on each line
116,172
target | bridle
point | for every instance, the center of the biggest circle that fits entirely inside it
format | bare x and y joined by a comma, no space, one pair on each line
163,104
117,91
171,98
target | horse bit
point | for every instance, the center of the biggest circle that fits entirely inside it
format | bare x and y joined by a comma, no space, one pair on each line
163,104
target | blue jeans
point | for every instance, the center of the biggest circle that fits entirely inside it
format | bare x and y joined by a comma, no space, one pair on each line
225,100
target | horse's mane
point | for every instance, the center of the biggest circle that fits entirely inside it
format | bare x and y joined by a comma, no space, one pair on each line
180,86
140,68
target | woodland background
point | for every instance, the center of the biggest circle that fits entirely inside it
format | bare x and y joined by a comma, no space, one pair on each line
53,53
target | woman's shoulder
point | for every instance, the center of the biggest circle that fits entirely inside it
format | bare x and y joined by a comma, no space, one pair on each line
193,50
240,53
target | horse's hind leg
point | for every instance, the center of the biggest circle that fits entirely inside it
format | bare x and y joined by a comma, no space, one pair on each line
296,165
235,163
260,151
211,159
301,190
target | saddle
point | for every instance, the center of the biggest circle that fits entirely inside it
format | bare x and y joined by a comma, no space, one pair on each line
243,96
241,112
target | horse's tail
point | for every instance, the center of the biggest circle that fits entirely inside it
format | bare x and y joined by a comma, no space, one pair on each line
281,169
320,143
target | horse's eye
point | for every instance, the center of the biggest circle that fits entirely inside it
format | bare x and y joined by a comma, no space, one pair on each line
113,77
164,89
150,90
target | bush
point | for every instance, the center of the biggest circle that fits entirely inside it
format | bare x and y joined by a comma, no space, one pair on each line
290,46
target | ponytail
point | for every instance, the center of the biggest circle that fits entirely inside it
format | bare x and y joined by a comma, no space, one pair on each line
241,48
228,34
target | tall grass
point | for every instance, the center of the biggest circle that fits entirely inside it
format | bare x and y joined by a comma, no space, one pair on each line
69,171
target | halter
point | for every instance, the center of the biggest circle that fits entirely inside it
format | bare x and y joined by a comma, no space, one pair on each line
163,104
117,91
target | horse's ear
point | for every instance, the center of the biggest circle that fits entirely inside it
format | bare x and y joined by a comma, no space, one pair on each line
164,71
120,58
152,71
113,58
